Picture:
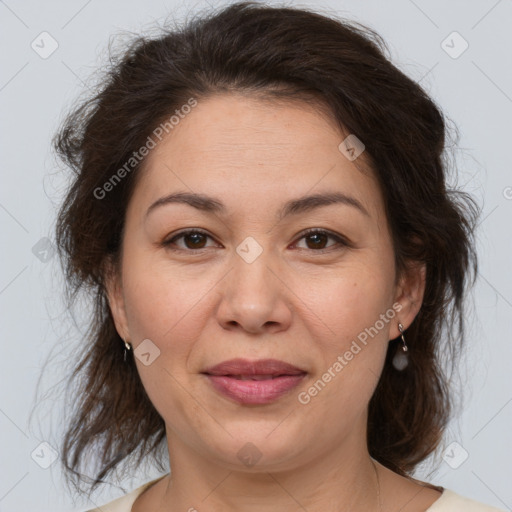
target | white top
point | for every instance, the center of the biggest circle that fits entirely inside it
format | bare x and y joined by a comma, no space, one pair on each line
449,501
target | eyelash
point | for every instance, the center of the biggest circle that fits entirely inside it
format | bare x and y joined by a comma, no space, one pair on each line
343,242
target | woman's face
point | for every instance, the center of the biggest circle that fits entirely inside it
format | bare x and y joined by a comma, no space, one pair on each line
252,285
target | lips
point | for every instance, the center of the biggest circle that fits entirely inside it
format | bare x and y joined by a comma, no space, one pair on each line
253,377
254,382
261,369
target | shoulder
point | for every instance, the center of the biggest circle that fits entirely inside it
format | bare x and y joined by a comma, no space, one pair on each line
125,503
450,501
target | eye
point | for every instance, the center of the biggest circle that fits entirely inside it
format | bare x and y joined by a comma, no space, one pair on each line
195,240
319,238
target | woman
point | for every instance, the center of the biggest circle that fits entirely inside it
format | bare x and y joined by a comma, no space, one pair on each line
260,211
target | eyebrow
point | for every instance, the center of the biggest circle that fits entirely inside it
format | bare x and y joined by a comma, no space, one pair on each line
297,206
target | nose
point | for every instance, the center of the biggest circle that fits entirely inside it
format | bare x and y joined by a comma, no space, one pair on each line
254,298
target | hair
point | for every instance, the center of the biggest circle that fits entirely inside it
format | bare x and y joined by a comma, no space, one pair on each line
288,54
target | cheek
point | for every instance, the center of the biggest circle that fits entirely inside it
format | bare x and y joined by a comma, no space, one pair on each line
353,302
161,302
353,308
166,309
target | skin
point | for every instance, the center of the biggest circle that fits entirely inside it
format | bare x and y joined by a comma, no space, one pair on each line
201,306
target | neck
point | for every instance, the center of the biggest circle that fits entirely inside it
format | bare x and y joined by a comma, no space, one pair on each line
342,479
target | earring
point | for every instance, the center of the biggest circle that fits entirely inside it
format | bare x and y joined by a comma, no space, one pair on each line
401,359
127,346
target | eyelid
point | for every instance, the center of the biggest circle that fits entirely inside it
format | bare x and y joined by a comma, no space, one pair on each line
340,239
167,242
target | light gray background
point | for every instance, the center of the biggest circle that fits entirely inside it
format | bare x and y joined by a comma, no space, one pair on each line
475,91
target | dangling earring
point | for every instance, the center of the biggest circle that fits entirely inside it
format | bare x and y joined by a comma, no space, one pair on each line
401,359
127,346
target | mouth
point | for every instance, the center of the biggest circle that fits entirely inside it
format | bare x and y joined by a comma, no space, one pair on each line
258,377
254,389
254,382
257,370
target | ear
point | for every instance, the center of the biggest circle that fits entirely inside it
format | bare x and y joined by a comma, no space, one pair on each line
409,294
114,291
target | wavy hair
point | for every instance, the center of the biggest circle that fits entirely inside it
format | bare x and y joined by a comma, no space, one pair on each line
286,54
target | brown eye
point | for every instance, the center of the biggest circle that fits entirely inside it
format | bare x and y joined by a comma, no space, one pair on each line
193,239
317,240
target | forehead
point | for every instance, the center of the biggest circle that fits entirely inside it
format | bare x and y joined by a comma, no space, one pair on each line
252,128
259,148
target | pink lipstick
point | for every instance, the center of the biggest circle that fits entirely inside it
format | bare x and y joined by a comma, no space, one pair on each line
254,382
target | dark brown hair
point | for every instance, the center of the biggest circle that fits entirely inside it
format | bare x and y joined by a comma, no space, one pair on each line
286,54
